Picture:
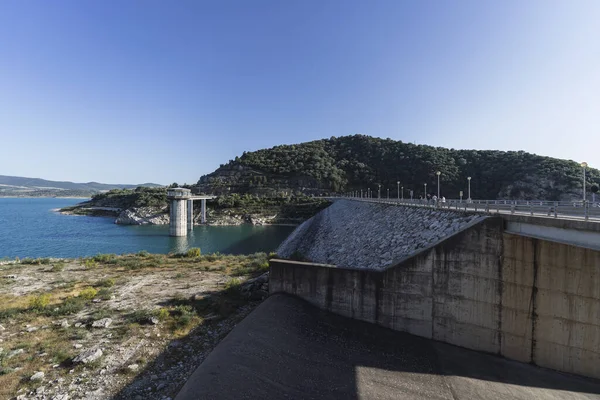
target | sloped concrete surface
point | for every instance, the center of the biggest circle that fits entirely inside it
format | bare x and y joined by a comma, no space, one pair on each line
371,235
288,349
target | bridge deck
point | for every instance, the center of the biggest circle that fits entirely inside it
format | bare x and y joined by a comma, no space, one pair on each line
288,349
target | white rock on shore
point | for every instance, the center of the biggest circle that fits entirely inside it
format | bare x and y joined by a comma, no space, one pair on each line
143,216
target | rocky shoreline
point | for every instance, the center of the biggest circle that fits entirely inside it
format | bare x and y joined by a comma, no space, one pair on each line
160,216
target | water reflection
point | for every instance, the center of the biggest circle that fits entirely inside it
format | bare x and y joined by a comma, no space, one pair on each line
180,244
28,228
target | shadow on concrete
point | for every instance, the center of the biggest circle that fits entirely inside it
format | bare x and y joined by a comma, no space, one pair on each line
288,349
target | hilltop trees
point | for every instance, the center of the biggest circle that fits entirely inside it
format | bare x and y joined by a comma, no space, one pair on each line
358,162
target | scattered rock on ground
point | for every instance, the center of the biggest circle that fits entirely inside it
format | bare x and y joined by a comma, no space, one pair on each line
15,353
102,323
88,356
38,376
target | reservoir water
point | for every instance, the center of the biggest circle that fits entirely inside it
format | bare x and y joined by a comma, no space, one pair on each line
30,228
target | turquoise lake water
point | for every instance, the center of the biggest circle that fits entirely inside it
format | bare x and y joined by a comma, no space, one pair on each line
29,228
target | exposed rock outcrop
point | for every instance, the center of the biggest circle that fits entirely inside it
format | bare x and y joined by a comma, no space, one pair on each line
261,220
227,218
143,216
369,235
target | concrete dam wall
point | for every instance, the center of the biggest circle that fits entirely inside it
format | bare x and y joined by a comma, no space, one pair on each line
478,287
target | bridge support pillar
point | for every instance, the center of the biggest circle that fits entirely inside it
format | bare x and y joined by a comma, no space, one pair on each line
178,218
190,215
203,211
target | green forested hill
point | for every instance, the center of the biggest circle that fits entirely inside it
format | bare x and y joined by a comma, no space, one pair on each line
359,162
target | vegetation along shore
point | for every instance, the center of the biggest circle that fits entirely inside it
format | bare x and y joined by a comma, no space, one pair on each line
149,206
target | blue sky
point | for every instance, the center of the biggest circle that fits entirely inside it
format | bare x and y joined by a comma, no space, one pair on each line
139,91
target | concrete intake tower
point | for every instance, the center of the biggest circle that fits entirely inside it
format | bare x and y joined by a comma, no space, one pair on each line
181,215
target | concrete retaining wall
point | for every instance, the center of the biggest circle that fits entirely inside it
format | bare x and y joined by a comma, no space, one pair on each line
526,299
450,292
552,304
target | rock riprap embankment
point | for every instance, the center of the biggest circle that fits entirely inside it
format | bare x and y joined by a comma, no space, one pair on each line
370,235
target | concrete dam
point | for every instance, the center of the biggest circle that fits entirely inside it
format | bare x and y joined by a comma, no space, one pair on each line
525,288
380,301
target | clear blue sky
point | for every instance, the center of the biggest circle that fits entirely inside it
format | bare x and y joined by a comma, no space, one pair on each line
162,91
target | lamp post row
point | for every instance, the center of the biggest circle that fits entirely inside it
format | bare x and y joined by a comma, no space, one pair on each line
400,190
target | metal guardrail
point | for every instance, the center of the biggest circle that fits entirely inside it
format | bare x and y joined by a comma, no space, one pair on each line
553,209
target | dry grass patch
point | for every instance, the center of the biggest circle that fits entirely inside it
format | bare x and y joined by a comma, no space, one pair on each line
149,297
42,349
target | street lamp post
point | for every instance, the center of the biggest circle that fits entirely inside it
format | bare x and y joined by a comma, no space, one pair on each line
388,194
402,190
425,194
398,183
438,175
584,166
379,191
469,192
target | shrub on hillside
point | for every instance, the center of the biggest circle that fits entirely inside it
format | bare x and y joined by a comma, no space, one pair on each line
88,293
105,283
193,252
39,302
105,258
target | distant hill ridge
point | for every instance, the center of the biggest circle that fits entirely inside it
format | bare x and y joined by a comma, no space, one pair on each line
348,163
18,184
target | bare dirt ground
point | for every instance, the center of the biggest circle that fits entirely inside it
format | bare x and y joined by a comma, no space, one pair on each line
126,327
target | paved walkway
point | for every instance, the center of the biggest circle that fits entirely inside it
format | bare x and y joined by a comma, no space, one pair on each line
287,349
